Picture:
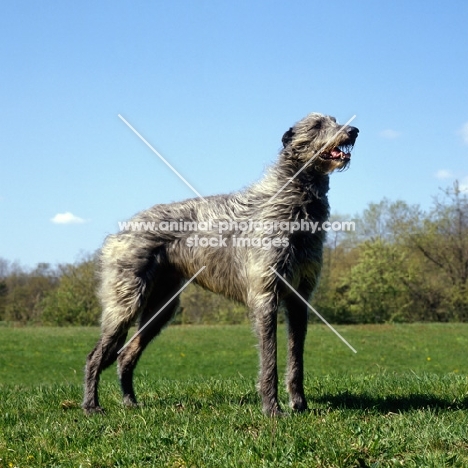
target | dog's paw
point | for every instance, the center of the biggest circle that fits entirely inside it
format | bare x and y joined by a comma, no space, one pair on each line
298,404
90,410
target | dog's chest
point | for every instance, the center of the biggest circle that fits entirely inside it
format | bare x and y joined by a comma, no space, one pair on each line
305,245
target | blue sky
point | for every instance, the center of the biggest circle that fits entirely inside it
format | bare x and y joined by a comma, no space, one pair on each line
213,85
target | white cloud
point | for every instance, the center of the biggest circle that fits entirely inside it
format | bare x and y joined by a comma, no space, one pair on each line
390,134
443,174
463,185
67,218
463,132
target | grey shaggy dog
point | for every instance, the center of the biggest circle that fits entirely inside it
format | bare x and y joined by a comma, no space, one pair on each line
140,271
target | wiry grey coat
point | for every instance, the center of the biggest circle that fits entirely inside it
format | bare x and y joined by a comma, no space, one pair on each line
142,269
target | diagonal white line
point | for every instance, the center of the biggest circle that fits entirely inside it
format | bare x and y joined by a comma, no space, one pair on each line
159,156
313,310
162,308
309,161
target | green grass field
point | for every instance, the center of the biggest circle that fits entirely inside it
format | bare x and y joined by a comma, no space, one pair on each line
402,400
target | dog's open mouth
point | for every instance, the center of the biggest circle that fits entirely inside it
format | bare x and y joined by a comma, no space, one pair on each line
339,152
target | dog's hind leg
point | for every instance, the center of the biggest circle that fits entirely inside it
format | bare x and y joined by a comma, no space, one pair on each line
124,291
152,320
101,357
297,316
121,305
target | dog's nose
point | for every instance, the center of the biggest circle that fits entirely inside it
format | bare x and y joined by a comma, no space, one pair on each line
352,132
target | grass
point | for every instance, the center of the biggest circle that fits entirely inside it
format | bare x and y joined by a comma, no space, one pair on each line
400,401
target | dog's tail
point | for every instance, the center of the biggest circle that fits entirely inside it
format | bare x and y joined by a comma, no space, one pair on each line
126,272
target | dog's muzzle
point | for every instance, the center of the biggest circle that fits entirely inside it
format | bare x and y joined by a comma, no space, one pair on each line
343,151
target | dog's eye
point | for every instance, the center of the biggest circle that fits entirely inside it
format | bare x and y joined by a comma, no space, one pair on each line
316,126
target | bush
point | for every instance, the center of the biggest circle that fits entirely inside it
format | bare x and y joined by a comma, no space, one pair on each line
74,301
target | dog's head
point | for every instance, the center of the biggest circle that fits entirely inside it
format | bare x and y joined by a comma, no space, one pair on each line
320,140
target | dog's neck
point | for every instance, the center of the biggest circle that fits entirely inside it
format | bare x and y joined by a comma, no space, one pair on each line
289,181
287,188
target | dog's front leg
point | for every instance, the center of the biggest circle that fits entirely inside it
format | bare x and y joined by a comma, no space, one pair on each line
266,320
296,313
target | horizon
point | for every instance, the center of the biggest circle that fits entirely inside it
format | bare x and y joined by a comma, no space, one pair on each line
212,88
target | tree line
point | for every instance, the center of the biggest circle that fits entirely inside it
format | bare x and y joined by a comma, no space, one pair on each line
401,264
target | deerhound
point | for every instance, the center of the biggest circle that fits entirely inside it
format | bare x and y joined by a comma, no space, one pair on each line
243,242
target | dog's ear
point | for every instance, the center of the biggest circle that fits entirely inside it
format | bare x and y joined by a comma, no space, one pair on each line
287,137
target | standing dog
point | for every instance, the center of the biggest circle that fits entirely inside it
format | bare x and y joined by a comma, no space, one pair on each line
244,241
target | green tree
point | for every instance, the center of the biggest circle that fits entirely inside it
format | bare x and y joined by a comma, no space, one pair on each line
74,301
3,286
443,244
25,291
374,290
